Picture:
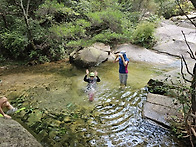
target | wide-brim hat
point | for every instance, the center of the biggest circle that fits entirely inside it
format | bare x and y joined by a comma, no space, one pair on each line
122,52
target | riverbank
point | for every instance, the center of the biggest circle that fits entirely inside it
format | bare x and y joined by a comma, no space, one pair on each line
48,93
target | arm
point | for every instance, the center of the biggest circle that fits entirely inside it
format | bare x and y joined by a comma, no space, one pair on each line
86,79
98,79
116,58
96,74
124,62
1,111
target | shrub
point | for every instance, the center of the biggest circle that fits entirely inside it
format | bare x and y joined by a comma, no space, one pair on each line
171,8
108,36
144,34
14,43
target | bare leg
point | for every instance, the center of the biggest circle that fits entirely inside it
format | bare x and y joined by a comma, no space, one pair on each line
4,103
8,105
91,97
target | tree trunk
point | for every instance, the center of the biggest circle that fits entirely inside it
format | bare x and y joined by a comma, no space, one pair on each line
193,94
25,14
4,20
193,2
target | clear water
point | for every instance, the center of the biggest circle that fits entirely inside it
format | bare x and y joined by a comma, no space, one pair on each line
119,121
113,119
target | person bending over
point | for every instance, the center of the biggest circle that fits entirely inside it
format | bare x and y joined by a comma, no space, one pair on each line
5,104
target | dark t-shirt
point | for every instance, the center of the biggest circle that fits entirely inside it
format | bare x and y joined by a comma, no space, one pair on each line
92,83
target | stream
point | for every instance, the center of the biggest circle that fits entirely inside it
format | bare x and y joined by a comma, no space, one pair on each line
57,111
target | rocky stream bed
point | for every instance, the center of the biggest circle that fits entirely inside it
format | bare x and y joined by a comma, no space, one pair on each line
54,109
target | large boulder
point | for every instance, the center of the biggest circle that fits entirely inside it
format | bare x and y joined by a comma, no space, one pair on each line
171,39
182,21
12,134
90,56
141,54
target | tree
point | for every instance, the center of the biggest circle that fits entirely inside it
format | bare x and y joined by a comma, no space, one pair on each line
25,14
193,2
190,119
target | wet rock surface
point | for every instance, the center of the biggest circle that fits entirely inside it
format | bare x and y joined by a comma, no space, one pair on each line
171,42
161,109
171,39
12,134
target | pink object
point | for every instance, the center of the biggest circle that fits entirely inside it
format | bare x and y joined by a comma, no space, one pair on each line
91,97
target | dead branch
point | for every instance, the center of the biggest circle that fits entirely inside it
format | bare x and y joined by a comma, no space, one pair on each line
27,9
186,136
183,76
193,131
190,50
185,13
193,116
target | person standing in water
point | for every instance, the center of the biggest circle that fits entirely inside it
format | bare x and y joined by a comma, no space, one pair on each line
92,83
123,70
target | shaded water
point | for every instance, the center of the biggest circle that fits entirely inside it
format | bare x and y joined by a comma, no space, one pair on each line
114,118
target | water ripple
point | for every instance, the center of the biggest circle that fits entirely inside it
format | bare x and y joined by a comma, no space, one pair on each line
118,121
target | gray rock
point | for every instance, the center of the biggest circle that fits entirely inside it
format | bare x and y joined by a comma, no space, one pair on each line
182,21
172,41
91,56
12,134
161,108
141,54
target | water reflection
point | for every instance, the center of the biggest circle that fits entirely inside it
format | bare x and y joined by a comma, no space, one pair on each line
120,123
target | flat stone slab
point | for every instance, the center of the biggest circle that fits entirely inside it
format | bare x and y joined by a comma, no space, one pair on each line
12,134
161,108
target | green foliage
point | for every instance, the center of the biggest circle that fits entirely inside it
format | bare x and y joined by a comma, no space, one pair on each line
171,8
106,26
144,34
71,30
57,53
108,37
86,6
76,44
60,26
109,18
15,43
51,12
2,58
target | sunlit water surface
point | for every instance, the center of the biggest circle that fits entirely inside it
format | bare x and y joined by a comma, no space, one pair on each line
116,114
